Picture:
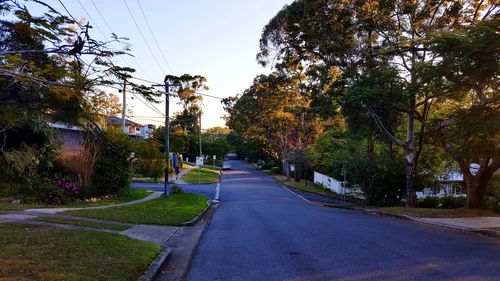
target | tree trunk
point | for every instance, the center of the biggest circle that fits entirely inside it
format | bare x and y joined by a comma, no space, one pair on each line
411,198
476,185
296,175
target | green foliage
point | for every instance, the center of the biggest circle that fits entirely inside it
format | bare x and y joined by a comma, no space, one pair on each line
429,202
379,173
275,170
446,202
113,168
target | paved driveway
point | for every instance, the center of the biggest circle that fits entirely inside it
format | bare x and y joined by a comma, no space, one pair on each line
262,231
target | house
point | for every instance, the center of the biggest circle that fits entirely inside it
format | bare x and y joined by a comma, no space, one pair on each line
132,128
450,184
70,137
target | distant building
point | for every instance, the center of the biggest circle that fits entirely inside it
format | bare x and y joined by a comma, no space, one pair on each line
147,131
132,128
450,184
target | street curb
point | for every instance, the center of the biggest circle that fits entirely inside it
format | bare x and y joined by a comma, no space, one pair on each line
195,249
198,217
154,268
485,232
387,214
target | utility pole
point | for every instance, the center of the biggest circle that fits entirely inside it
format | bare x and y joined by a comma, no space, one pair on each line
124,105
167,138
199,136
167,86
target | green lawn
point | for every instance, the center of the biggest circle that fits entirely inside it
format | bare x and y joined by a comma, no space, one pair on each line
133,194
178,209
29,252
81,223
311,187
495,228
439,213
206,176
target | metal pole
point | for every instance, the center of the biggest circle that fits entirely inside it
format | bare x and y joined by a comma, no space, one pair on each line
124,105
200,133
167,139
344,185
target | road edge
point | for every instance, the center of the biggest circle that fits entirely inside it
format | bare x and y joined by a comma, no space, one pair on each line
154,268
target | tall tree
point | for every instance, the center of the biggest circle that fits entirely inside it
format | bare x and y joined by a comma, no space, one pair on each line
466,120
340,40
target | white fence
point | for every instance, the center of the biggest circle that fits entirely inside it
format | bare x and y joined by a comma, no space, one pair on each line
328,182
336,186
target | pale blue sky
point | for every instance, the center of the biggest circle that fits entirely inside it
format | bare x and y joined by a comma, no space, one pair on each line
217,39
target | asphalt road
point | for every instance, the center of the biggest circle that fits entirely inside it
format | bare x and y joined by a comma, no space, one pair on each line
261,231
204,189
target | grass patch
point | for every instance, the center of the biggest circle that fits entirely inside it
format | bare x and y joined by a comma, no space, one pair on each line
311,187
78,222
206,176
440,213
29,252
494,228
132,195
178,209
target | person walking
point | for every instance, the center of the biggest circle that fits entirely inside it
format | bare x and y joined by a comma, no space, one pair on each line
175,164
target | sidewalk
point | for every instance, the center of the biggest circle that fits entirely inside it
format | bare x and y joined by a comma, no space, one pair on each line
481,225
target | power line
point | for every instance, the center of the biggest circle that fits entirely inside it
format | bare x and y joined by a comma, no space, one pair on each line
154,37
64,6
143,38
111,31
148,104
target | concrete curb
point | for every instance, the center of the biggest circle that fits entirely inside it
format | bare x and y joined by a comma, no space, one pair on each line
485,232
198,217
195,249
154,268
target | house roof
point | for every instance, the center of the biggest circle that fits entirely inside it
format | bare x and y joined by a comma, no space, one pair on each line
113,120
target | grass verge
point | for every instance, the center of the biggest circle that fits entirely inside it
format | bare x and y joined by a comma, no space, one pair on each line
178,209
206,176
78,222
310,187
439,213
132,195
29,252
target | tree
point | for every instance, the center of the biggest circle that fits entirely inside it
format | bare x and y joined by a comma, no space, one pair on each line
273,113
104,104
359,35
466,121
50,68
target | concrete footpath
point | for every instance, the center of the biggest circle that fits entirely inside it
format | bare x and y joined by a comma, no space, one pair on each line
479,225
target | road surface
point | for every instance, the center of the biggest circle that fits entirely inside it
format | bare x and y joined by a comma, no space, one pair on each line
262,231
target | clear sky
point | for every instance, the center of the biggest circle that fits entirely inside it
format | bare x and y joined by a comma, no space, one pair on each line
217,39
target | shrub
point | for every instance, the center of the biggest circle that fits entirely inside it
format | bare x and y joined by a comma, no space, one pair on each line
429,202
449,202
113,170
275,170
177,189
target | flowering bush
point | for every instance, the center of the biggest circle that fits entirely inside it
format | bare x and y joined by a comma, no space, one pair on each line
68,186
